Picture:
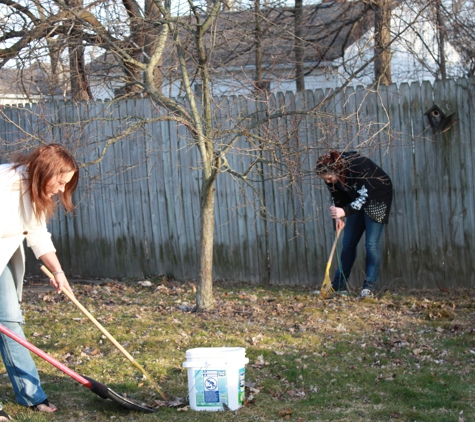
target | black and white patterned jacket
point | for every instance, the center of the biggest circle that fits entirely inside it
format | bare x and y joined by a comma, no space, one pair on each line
367,187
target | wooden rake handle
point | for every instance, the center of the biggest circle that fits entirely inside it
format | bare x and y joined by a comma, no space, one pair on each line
333,248
105,332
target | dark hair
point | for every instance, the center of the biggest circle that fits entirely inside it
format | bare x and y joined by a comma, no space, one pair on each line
43,164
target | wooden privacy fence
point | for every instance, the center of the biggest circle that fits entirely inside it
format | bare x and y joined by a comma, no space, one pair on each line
138,209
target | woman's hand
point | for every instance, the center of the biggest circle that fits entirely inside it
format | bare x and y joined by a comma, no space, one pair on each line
339,224
60,282
337,212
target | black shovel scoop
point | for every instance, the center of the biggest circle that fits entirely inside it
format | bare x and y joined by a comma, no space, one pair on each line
96,387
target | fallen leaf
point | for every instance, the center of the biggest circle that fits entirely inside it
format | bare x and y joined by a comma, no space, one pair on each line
252,390
255,340
177,401
160,403
260,362
286,413
275,394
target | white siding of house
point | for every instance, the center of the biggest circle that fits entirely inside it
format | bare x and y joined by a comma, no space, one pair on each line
414,54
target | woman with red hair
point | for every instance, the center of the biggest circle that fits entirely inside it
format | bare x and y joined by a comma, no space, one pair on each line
362,195
28,188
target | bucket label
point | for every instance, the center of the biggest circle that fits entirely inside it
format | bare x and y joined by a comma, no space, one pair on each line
242,386
211,387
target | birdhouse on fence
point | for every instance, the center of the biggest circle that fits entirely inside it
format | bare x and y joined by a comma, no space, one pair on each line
440,115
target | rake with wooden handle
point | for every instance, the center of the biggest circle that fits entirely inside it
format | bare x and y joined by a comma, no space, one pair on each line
327,287
107,334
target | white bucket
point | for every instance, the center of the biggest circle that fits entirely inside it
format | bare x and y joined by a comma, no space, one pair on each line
216,377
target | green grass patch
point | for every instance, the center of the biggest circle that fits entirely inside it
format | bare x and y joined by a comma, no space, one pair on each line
408,356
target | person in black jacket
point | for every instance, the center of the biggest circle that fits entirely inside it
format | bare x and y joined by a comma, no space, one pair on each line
362,195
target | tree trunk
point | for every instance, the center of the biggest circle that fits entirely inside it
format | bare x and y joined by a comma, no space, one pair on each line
80,89
441,43
151,39
138,29
299,48
204,289
382,27
257,36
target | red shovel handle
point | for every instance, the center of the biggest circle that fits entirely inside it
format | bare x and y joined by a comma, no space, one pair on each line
45,356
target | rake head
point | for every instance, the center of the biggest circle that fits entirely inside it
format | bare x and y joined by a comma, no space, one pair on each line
327,289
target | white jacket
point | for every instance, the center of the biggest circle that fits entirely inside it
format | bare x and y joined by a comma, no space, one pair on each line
17,222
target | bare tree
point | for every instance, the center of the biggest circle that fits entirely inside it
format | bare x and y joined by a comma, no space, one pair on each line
299,48
456,20
258,41
79,84
382,41
441,39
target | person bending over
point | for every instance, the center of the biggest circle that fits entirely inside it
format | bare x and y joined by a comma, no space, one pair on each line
28,188
362,194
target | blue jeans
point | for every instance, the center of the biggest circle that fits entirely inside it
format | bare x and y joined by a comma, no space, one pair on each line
355,226
18,362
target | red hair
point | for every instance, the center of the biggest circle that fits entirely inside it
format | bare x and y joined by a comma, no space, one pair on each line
332,162
43,164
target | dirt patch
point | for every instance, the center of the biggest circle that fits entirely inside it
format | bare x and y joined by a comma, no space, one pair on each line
37,284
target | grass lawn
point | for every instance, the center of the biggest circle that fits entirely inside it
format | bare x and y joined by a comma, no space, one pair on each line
406,356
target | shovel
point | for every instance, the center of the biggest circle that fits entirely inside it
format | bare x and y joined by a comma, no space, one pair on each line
107,334
327,288
95,386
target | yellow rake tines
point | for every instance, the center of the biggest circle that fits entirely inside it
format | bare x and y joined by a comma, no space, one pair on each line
327,288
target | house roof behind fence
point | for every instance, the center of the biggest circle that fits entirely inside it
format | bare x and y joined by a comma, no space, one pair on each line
28,84
327,29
